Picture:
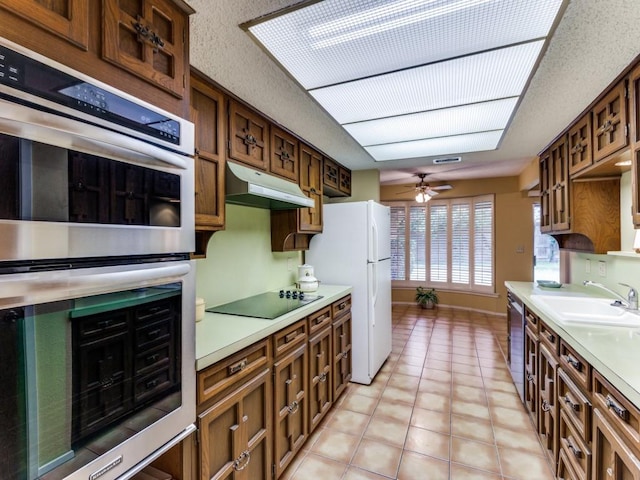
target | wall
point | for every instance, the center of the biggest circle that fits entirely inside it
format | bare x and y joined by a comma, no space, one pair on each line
618,268
239,260
514,233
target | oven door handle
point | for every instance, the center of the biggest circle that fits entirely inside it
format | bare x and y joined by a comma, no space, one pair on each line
40,287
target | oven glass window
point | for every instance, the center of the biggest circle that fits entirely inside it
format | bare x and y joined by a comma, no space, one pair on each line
47,183
81,376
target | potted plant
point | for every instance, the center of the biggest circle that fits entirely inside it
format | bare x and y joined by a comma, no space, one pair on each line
426,298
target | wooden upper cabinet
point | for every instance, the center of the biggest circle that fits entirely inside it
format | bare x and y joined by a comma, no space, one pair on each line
345,181
545,192
336,179
634,90
208,115
559,185
580,154
284,159
310,219
148,38
610,123
68,19
248,136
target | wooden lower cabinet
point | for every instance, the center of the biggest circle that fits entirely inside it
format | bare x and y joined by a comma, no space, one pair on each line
612,458
564,470
290,407
341,354
235,433
257,407
320,377
548,403
531,345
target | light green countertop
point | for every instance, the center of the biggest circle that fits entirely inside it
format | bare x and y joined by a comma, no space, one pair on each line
218,335
613,351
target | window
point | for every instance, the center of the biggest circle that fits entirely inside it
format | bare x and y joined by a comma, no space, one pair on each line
445,243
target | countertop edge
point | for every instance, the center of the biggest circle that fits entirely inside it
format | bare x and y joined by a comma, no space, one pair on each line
214,344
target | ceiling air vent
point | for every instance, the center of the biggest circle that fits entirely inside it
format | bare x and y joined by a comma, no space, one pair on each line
439,161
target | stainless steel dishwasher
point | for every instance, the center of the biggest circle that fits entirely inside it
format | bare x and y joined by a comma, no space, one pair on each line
515,325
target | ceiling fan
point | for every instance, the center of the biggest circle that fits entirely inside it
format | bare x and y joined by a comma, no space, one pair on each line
424,191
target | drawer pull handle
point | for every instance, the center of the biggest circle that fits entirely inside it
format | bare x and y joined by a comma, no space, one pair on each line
574,406
545,406
606,127
342,306
574,362
238,367
293,408
250,140
242,461
153,358
154,333
575,450
152,383
618,409
322,377
289,338
529,377
532,319
345,355
551,337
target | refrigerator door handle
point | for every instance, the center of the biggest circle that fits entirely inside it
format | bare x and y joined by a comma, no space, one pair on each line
373,244
374,295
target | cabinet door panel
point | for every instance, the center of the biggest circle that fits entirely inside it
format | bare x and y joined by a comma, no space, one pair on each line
310,219
548,424
634,87
147,38
284,154
320,377
290,383
559,186
612,458
580,155
68,19
545,192
207,113
531,374
609,123
235,433
341,354
248,136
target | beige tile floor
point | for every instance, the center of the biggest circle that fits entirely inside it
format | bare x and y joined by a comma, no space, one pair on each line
442,407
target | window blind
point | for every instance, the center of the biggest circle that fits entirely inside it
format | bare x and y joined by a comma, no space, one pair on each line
483,243
398,235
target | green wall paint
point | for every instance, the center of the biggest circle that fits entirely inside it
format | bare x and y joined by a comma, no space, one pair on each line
240,262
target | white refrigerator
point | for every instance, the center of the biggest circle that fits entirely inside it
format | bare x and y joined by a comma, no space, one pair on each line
354,249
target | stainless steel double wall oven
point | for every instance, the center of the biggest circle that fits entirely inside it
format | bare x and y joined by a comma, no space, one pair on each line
97,292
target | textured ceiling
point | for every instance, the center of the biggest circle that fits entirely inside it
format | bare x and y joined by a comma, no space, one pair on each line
594,41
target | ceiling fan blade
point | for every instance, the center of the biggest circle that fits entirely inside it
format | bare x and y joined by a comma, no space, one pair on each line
407,191
431,192
442,187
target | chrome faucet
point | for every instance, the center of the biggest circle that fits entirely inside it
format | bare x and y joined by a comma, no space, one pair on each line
630,303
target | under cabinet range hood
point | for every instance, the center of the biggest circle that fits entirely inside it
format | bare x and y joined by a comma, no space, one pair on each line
252,188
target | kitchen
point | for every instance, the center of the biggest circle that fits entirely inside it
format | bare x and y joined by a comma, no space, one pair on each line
243,251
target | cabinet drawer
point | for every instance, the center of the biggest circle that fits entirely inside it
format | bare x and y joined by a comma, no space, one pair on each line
341,307
219,377
620,413
153,311
532,320
575,366
153,359
574,404
151,385
288,338
152,334
319,320
565,470
549,338
102,325
574,447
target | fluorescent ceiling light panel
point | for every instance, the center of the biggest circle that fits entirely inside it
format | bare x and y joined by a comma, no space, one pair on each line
413,78
473,142
335,41
497,74
492,115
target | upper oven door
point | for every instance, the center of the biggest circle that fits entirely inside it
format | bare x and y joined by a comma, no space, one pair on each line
87,170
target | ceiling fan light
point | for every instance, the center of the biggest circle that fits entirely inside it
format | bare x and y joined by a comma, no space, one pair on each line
422,197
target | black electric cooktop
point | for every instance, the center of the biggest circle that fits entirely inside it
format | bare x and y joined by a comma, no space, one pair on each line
268,305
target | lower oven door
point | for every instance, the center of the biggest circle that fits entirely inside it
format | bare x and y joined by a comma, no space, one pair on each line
97,368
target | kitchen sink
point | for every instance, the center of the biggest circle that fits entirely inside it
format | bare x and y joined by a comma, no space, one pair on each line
590,310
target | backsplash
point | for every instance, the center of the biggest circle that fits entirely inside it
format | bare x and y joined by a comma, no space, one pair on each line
240,262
